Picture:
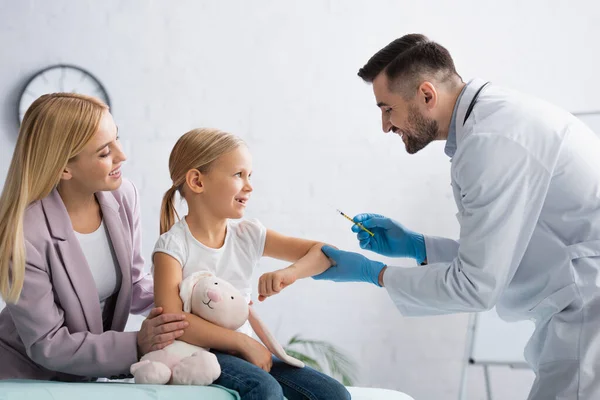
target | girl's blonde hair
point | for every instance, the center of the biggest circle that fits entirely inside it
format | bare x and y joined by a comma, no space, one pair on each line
196,149
56,127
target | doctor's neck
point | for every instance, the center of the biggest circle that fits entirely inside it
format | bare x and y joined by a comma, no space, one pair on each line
448,97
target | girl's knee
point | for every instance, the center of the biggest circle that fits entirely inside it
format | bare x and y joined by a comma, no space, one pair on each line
334,390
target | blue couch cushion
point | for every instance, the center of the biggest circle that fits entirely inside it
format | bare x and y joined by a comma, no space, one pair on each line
49,390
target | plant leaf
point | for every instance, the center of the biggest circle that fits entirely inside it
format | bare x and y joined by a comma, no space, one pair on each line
295,339
337,362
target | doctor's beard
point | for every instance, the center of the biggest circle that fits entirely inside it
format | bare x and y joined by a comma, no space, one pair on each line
421,131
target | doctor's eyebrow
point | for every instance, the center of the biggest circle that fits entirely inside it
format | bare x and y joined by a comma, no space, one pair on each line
381,104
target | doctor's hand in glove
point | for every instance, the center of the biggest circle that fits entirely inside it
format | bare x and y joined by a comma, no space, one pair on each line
390,238
351,267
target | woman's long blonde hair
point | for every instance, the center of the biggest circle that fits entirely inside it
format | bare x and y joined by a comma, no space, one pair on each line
55,129
196,149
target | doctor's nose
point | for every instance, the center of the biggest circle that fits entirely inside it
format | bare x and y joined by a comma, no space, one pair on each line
386,124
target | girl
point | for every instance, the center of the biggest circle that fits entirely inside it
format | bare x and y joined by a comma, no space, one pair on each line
211,170
70,263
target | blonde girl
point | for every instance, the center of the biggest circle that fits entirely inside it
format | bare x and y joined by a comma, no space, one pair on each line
211,170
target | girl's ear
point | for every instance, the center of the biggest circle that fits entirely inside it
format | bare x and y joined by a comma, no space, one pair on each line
194,180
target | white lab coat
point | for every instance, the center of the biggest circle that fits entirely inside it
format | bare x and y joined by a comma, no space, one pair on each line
526,180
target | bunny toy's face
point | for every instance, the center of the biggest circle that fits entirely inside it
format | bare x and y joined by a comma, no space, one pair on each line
219,302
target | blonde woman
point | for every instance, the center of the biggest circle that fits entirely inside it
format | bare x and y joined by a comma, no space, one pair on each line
70,263
211,170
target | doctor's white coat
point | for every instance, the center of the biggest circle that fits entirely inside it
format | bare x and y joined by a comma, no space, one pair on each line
526,180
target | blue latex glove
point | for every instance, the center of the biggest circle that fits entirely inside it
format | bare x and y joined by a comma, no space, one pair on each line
391,238
350,267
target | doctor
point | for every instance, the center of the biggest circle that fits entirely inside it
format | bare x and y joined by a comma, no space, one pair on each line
526,181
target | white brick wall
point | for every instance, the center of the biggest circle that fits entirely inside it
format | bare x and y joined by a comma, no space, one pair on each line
283,76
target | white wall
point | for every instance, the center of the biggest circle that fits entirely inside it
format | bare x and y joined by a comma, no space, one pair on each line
283,76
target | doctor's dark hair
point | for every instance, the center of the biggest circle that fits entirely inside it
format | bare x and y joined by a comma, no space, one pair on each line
55,129
408,61
196,149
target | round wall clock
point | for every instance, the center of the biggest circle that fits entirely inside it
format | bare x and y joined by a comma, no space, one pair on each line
61,78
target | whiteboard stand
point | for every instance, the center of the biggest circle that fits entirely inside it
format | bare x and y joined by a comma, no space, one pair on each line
491,341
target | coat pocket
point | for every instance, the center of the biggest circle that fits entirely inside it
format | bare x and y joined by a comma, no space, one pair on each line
554,303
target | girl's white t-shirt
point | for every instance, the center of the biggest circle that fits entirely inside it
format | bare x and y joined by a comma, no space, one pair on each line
233,262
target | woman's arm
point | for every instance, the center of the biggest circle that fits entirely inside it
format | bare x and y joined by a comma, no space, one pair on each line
306,255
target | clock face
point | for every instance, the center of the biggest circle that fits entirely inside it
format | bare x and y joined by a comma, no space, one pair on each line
61,78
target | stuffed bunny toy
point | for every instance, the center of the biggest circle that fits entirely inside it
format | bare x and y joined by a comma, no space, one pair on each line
217,301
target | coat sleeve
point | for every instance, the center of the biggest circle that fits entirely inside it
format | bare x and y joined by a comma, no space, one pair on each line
40,323
503,188
439,249
142,297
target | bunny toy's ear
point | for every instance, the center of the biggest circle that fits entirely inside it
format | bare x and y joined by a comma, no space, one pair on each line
186,288
269,340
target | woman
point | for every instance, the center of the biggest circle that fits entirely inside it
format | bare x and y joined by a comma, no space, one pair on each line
70,264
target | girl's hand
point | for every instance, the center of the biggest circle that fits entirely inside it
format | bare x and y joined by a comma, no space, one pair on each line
254,352
274,282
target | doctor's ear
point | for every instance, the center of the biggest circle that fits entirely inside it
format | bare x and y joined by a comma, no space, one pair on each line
194,178
428,94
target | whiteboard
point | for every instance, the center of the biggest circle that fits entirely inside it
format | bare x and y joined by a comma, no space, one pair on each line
494,341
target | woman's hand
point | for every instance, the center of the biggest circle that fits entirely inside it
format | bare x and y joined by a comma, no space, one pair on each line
159,330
